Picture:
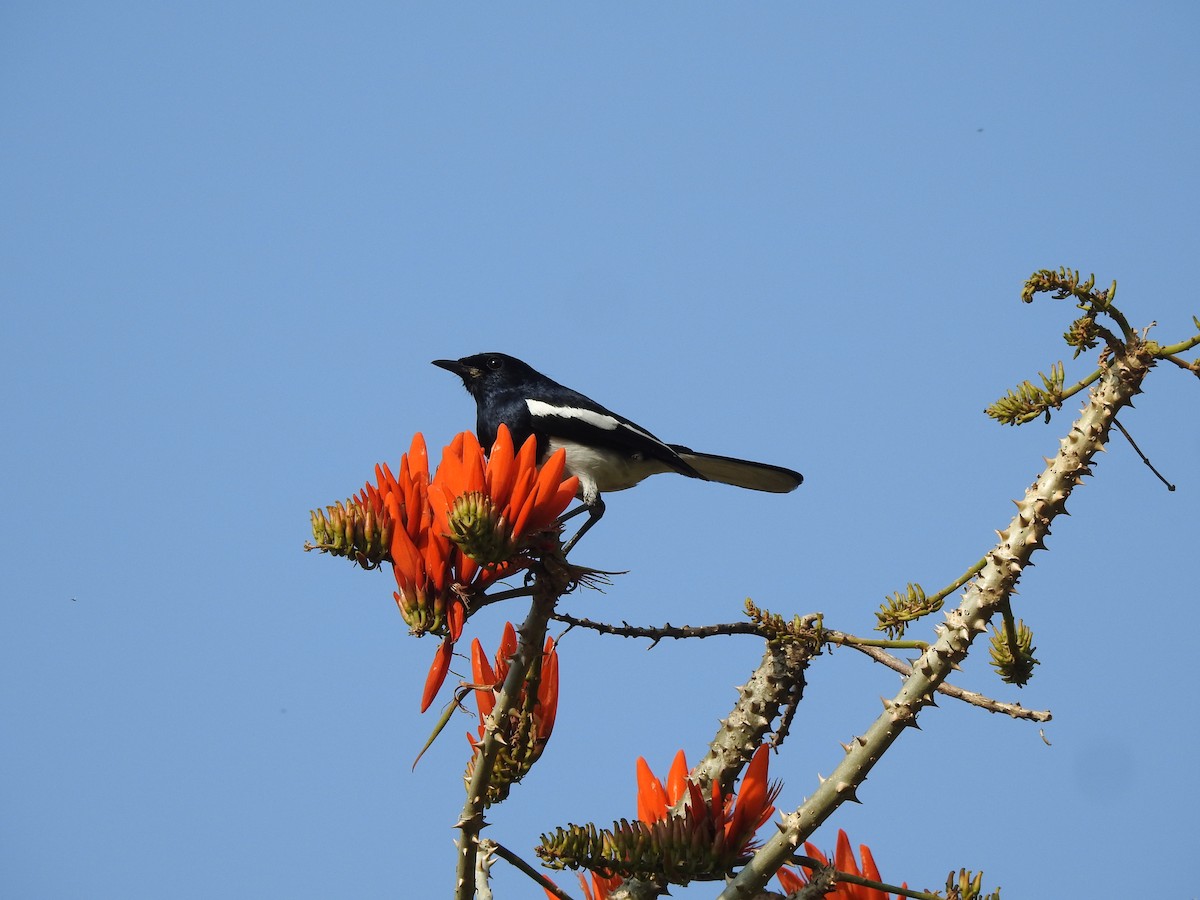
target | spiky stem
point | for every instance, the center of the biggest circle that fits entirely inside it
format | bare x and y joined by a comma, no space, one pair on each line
548,586
1044,500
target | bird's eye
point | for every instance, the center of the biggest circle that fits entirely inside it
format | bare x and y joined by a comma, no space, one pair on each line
494,362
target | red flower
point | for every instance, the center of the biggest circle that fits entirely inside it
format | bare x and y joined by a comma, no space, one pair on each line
423,561
599,888
488,680
654,802
523,499
843,861
737,817
523,735
496,503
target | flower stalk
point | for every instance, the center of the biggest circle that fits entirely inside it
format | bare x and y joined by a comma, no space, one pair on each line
549,583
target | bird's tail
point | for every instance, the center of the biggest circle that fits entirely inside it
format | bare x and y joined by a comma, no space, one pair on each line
741,472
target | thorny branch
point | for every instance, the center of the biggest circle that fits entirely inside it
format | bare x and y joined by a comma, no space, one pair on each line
866,647
1016,710
546,590
1043,502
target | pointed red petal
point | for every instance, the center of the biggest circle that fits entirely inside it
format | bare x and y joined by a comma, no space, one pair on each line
482,674
550,500
419,456
501,467
752,798
651,798
789,880
548,690
468,463
508,644
870,870
813,851
605,885
406,560
521,494
677,778
456,617
527,455
437,673
567,491
843,855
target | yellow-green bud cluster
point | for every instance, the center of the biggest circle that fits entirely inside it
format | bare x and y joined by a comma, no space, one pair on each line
677,849
479,530
778,630
520,747
423,610
901,608
353,531
1067,283
968,886
1026,402
1082,334
1013,664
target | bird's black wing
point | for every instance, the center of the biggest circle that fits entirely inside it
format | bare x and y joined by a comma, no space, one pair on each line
571,416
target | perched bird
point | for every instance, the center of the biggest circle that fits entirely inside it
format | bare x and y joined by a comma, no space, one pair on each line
605,450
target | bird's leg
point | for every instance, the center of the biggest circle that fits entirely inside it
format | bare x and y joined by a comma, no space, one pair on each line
582,507
595,510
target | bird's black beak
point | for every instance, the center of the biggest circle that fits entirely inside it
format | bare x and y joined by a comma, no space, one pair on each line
463,371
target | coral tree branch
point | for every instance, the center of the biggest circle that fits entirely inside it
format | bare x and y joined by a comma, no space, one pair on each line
550,581
1027,532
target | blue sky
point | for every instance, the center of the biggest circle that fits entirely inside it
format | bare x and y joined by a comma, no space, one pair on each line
236,234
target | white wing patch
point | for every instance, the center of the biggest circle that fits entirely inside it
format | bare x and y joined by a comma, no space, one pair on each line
596,419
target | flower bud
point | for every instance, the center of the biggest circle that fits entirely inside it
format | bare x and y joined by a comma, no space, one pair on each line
479,530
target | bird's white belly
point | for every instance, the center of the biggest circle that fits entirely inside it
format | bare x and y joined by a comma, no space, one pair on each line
600,471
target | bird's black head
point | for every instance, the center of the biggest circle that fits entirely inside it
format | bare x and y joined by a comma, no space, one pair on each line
487,372
501,385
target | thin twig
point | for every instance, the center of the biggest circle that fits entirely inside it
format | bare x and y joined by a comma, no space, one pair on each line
479,602
1193,367
656,634
1138,451
1016,710
513,860
816,865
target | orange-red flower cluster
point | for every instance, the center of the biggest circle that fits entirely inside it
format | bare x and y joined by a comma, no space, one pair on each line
524,734
525,500
843,861
489,678
736,817
683,832
432,552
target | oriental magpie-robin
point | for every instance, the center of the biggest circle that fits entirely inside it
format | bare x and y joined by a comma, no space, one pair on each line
605,450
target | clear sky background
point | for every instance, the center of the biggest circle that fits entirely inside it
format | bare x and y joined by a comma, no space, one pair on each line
235,234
